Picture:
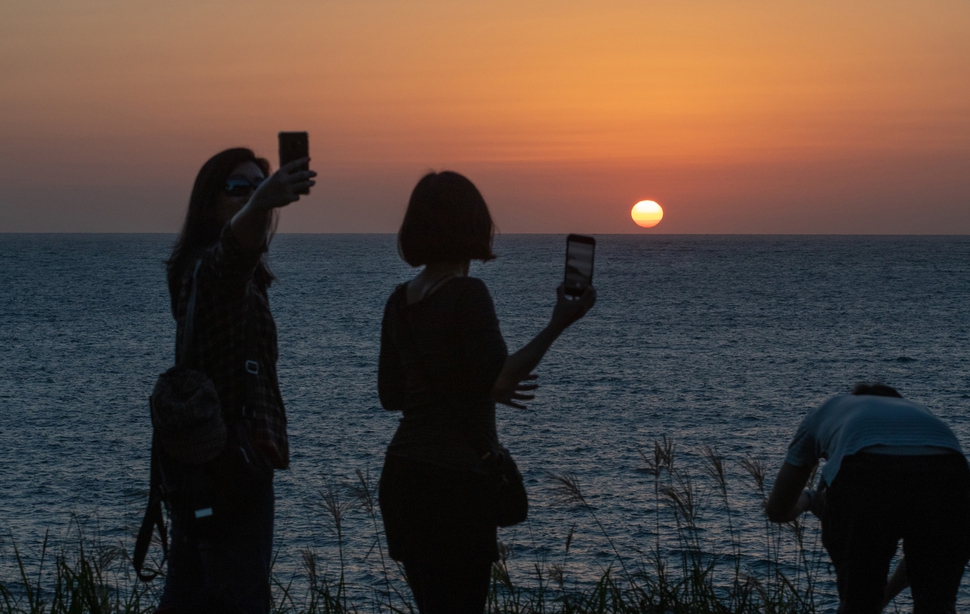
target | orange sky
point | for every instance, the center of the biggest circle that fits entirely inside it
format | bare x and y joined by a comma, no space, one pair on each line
741,117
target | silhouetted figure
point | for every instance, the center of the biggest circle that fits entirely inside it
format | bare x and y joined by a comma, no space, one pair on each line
893,472
444,364
226,232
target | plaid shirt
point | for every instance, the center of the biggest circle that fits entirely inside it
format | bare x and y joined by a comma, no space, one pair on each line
219,345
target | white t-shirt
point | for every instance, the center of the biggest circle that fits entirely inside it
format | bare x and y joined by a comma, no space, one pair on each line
847,424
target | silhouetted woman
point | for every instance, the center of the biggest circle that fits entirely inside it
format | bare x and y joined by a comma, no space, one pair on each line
226,232
444,364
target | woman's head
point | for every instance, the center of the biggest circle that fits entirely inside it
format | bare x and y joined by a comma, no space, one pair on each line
446,221
222,187
213,196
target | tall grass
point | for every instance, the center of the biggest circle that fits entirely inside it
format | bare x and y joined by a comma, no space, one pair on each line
680,570
86,575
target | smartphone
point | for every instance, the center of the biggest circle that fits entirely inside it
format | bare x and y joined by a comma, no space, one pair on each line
293,146
579,264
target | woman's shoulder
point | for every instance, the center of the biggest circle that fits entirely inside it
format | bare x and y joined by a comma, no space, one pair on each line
470,284
464,290
462,287
398,297
473,298
473,287
466,294
227,261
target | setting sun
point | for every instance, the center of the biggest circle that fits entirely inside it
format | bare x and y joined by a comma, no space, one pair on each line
647,213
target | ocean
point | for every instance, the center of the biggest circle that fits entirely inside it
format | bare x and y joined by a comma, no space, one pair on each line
719,341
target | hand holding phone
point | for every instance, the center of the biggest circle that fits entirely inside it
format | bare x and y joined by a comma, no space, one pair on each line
579,264
293,146
516,381
576,295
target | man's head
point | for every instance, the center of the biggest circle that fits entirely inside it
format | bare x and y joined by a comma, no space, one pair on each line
875,389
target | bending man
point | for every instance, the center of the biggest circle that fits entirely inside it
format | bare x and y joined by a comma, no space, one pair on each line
894,471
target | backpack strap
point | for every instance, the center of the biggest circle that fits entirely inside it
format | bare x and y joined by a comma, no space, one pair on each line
153,511
251,357
251,364
187,337
153,518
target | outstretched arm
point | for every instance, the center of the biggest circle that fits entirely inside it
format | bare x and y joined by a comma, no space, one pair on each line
280,189
788,499
514,383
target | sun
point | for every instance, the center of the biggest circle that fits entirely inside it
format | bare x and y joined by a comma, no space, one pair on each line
647,213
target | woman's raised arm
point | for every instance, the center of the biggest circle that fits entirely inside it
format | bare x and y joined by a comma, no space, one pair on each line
515,382
280,189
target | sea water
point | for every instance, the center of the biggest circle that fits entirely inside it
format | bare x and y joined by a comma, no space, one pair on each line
719,341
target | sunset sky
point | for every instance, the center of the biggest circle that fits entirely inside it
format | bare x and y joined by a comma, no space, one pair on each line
737,117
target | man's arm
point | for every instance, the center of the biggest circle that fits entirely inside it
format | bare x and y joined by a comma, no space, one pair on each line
788,500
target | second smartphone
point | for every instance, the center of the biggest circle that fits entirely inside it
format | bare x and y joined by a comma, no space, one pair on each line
580,250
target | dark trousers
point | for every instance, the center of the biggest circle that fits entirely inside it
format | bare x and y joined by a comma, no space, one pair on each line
440,523
227,570
877,500
449,587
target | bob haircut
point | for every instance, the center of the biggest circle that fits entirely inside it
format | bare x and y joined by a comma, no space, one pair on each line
447,221
202,226
875,389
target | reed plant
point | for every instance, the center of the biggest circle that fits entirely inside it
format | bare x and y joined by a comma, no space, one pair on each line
681,570
86,575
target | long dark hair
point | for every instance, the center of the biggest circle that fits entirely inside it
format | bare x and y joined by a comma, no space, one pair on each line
202,226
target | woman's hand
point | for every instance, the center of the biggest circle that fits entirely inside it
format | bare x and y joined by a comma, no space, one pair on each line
568,310
284,186
280,189
513,385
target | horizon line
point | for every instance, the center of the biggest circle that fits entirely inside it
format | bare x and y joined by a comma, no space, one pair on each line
499,234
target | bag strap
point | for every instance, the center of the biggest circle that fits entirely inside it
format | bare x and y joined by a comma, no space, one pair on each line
153,510
188,330
251,362
153,518
251,357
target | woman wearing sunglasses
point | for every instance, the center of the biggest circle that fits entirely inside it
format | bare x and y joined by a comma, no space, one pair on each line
227,229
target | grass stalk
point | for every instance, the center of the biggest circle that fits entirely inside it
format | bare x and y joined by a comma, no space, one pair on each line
682,572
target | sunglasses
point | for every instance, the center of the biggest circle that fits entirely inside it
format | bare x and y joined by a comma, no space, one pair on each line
240,186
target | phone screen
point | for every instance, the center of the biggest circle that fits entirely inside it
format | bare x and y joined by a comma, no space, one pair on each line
579,263
293,146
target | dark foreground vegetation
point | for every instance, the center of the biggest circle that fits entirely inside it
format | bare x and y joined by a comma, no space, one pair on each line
680,572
